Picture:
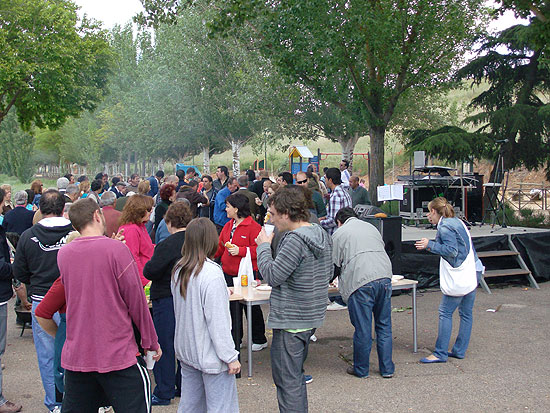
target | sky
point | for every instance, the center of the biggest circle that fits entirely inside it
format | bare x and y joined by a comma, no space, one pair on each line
111,12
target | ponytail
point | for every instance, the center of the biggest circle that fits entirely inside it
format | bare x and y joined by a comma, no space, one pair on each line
442,207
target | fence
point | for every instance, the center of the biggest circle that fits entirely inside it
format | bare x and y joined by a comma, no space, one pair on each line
529,195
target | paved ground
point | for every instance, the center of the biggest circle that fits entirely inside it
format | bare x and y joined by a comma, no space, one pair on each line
506,369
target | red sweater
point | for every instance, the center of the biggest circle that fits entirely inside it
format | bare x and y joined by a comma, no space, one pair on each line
53,301
244,236
140,245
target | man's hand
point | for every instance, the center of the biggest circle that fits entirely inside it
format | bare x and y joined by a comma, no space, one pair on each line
421,244
233,250
263,237
258,201
234,367
158,355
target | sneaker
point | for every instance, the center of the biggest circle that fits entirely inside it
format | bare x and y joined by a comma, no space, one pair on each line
351,370
258,347
387,376
56,409
308,378
106,409
157,401
313,338
335,307
10,407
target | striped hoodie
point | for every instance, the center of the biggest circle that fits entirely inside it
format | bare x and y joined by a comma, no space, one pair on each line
299,275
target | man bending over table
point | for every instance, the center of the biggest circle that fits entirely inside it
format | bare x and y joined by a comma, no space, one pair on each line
365,283
299,275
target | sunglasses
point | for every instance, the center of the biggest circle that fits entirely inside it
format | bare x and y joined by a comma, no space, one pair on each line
301,182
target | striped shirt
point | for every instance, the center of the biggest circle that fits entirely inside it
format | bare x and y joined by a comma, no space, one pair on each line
339,199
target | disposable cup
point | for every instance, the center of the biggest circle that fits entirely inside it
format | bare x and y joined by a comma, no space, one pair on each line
149,359
268,228
237,289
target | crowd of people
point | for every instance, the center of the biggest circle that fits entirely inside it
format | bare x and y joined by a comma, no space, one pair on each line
118,276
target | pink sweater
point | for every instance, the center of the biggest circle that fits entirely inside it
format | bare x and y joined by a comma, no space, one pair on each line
140,244
104,296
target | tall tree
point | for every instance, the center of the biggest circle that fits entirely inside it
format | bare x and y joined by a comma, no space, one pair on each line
52,65
17,147
358,56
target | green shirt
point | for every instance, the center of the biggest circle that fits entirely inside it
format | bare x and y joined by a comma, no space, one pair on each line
359,196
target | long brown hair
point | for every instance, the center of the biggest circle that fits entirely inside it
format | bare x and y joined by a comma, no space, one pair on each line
135,209
201,242
442,207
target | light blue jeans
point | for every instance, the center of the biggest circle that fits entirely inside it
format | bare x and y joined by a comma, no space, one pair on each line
45,351
447,307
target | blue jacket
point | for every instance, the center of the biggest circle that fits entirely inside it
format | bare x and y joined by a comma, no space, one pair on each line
220,216
154,186
451,242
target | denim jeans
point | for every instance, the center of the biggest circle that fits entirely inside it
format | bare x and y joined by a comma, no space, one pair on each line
60,338
164,320
447,307
288,354
372,298
45,352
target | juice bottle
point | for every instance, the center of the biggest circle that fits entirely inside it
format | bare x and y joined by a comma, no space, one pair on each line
244,280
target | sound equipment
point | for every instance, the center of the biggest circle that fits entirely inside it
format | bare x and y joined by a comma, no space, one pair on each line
390,229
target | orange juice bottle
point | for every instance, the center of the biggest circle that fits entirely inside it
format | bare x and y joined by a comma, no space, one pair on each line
244,280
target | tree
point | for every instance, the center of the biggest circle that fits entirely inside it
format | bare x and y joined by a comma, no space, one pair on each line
358,56
17,146
52,66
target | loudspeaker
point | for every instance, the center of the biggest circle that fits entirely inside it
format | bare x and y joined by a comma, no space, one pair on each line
390,229
363,210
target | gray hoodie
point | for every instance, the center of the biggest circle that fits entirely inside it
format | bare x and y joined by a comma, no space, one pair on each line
203,322
299,276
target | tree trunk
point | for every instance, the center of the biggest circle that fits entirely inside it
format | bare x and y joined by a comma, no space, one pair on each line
206,159
160,164
347,150
144,168
127,167
376,176
236,151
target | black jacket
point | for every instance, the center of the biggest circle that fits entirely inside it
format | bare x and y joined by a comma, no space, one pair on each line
18,220
258,187
5,269
36,255
159,268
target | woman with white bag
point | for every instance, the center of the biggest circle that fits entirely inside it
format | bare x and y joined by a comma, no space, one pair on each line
458,278
236,239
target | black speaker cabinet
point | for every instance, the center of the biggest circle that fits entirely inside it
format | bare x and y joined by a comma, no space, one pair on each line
390,229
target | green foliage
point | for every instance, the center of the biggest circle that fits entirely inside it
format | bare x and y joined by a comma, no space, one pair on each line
17,145
360,57
52,66
449,143
511,108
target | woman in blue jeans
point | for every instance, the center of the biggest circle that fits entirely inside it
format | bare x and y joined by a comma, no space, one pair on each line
457,278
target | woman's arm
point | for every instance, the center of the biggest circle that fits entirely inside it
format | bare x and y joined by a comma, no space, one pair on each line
445,243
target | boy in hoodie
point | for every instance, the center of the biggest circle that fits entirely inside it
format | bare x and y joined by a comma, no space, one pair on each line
36,264
299,275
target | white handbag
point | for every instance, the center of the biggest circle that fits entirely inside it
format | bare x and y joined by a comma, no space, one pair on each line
462,280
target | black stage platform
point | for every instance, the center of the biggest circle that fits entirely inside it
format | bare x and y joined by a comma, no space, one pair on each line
532,243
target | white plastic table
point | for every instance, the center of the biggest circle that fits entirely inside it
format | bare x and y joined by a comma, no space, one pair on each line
256,297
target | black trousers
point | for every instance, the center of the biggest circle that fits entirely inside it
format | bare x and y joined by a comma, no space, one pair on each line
258,324
128,390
